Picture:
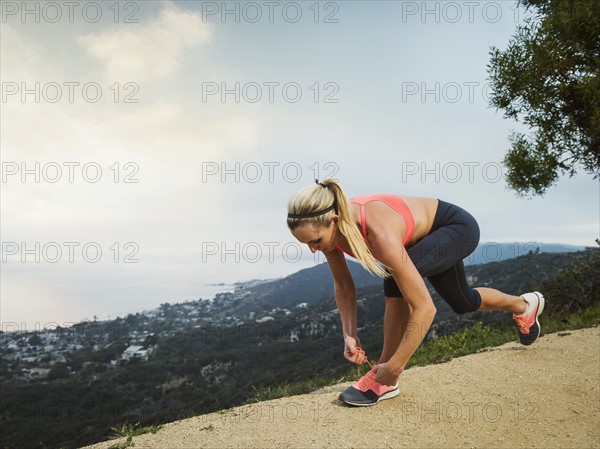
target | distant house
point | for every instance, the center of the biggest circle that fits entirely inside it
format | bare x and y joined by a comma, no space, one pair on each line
302,305
38,373
265,319
294,336
135,351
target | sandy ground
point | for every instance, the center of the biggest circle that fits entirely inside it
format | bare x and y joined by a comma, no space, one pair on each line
543,396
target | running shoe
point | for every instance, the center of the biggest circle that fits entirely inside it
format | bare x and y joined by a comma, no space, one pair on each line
366,391
529,326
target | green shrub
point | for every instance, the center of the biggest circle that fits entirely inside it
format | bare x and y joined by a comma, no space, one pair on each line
575,288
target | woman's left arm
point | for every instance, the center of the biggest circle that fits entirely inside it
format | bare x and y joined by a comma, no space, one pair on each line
388,248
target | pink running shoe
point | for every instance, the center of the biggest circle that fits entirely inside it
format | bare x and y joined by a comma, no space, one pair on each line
529,326
366,391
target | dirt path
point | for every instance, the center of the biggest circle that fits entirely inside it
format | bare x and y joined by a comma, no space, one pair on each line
545,395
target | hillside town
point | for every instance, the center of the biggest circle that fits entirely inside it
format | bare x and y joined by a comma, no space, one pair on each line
102,345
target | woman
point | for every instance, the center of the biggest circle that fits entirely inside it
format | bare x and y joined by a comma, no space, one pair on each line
402,240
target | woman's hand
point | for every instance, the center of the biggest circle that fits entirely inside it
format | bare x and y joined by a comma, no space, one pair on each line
387,374
351,353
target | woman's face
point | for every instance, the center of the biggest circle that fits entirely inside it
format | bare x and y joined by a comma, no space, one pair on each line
318,238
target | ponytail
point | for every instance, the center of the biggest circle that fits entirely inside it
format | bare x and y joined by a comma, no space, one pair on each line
330,194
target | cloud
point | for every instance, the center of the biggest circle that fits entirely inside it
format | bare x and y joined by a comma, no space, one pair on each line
22,57
147,52
165,134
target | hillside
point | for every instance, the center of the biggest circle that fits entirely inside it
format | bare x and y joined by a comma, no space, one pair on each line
315,285
499,251
308,286
545,395
200,364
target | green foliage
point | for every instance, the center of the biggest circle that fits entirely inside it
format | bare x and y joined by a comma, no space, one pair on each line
123,444
549,79
585,318
132,430
59,371
531,166
576,288
109,353
35,340
460,343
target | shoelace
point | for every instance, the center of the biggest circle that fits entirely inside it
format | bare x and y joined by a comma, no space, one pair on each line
522,323
361,351
366,381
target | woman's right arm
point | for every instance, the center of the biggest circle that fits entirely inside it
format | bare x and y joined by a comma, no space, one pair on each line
345,298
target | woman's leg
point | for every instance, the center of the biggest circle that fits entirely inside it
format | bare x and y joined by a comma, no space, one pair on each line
453,288
397,313
492,299
455,235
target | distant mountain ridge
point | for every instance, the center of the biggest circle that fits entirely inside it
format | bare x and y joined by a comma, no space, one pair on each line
497,251
260,297
311,285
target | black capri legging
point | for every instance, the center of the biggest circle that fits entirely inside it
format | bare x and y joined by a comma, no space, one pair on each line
439,257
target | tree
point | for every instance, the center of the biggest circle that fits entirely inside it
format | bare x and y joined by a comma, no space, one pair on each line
549,79
59,371
35,340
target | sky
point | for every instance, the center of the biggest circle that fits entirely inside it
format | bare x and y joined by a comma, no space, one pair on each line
149,148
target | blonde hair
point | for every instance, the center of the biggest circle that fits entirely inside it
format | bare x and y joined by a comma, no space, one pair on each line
320,196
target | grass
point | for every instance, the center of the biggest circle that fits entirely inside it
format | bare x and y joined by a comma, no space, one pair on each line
130,430
442,349
123,444
305,386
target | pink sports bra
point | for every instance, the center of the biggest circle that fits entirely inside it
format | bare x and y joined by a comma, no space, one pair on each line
395,202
